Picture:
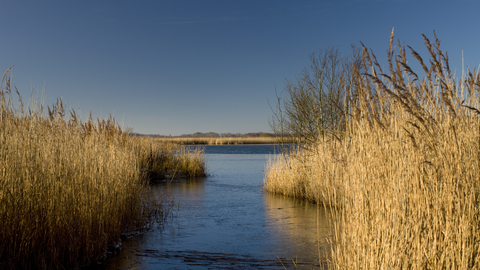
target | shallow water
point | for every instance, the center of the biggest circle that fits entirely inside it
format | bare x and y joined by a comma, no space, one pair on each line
226,221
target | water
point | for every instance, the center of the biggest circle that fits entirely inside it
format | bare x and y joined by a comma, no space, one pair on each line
226,221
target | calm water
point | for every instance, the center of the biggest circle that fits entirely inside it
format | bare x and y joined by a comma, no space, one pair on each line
225,221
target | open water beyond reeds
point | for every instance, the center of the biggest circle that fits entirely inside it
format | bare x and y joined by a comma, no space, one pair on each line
225,221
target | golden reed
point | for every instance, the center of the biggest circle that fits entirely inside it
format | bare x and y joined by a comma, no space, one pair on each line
403,181
68,189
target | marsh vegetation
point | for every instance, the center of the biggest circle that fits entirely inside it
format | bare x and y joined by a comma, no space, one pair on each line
162,160
393,153
401,171
70,188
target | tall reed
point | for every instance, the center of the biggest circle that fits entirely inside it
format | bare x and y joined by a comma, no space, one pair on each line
403,181
68,188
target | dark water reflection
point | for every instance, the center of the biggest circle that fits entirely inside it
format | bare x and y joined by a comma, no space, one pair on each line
225,221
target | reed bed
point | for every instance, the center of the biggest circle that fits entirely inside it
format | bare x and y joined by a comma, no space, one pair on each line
68,188
403,180
219,140
165,160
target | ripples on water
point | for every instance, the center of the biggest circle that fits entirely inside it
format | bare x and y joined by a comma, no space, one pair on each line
226,221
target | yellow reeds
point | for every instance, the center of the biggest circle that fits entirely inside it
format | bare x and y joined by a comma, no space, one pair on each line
165,160
68,188
403,182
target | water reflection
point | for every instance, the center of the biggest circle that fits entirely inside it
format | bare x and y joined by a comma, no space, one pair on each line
179,190
303,228
225,221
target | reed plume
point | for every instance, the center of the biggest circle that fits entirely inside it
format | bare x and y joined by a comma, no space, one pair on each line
403,183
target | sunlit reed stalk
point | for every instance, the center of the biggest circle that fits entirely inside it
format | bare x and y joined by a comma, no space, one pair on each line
403,182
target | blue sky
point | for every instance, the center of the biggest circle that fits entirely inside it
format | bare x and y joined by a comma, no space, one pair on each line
175,67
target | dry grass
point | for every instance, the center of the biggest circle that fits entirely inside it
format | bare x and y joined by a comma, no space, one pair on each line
68,189
219,140
403,183
166,160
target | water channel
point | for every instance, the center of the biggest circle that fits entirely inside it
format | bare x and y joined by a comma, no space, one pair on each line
225,221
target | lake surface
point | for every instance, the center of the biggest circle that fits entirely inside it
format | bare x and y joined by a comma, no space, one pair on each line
225,221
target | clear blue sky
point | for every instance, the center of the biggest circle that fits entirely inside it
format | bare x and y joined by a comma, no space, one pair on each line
174,67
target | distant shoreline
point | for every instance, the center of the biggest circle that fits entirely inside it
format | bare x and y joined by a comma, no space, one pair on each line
219,140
